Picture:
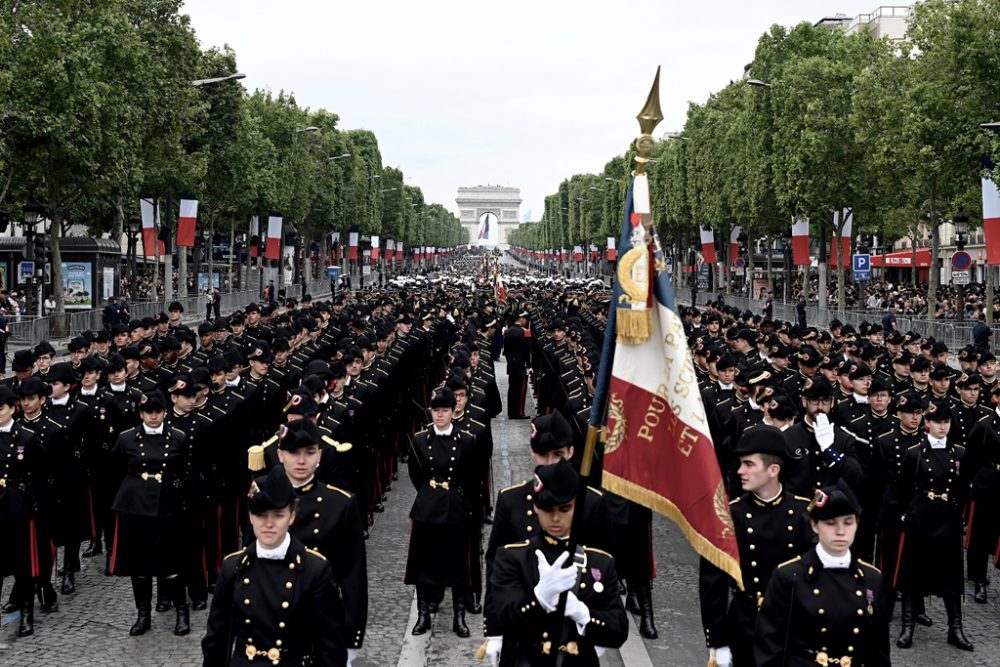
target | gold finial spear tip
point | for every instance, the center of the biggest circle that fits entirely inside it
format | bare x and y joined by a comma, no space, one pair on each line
650,116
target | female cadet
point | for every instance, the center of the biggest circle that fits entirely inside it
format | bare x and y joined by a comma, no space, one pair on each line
329,521
930,553
825,607
275,601
148,540
442,468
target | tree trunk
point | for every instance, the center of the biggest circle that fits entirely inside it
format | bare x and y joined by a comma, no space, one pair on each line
118,223
770,264
932,274
58,328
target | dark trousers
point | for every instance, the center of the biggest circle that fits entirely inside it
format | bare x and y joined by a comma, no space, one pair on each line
517,392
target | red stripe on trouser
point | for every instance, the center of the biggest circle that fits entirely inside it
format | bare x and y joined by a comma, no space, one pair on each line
36,568
114,547
93,522
899,559
968,533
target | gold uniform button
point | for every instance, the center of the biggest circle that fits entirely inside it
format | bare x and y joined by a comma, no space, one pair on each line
861,612
857,593
816,592
246,582
749,516
753,547
856,631
750,530
821,611
288,585
281,624
583,585
247,621
530,512
319,499
246,601
284,605
753,563
316,515
529,529
315,531
277,642
790,529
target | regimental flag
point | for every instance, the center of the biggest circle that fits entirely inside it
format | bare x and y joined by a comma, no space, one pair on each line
186,223
658,450
800,242
273,248
375,242
254,236
707,245
352,246
734,243
150,223
499,291
843,248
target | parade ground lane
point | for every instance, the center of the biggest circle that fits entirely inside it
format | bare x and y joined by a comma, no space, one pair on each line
91,628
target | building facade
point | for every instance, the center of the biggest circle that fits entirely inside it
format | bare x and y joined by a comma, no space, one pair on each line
489,213
887,21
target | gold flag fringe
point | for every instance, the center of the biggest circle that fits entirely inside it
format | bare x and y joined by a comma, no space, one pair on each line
634,326
658,503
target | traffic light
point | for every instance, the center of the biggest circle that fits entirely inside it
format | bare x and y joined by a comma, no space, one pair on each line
41,249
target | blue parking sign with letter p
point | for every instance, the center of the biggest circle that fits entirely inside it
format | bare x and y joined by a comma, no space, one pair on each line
862,262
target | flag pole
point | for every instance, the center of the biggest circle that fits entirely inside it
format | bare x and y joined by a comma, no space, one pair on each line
649,117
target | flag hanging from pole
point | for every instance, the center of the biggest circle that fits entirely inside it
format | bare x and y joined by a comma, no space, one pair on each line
800,242
658,450
991,221
150,223
273,250
352,248
841,250
186,223
708,245
734,243
254,236
375,249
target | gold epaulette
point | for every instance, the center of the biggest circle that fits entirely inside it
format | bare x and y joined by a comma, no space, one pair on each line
315,553
334,488
805,500
598,551
516,545
235,553
255,454
178,431
128,430
477,423
341,447
869,565
420,432
597,491
513,486
859,439
735,500
789,562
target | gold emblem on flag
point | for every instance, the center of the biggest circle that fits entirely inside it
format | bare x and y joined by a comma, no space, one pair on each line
722,510
615,433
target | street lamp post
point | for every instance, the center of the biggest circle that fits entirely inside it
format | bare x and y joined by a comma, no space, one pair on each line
961,223
30,221
134,229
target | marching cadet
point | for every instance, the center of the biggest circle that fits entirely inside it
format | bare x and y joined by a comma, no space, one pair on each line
328,520
770,527
987,369
276,600
826,606
820,453
21,466
517,350
442,468
23,367
930,553
148,538
529,577
982,467
967,411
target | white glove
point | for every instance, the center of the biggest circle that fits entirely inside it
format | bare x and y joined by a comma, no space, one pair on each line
493,647
352,653
723,656
824,431
553,580
578,612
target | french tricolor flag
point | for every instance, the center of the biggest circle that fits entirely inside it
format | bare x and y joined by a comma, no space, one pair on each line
399,251
352,247
150,223
273,248
842,249
375,242
800,242
186,222
708,245
734,243
991,221
254,235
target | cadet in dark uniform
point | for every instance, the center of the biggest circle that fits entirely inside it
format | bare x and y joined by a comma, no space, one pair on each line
442,468
771,526
530,576
825,607
982,467
516,348
148,540
930,552
276,600
329,521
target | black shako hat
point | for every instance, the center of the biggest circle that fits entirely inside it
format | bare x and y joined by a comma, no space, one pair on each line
273,491
298,434
555,484
549,432
443,397
762,439
833,501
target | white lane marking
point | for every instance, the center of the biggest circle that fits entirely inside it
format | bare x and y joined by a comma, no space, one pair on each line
414,650
633,651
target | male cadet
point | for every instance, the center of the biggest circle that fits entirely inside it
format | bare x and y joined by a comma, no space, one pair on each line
515,518
981,465
516,348
820,453
966,410
771,527
529,577
987,370
175,316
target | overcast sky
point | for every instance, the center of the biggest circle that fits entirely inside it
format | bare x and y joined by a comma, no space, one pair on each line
518,93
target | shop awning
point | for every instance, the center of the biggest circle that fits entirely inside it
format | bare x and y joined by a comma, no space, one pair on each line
904,259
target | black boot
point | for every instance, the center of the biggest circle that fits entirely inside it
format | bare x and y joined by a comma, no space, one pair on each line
49,599
920,612
162,595
632,600
472,604
980,595
905,639
458,626
644,596
956,635
423,614
27,625
142,591
178,596
68,586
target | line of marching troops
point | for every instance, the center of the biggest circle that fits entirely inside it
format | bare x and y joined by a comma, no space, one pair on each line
915,442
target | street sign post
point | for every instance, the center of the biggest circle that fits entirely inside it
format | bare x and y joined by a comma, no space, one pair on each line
961,261
960,277
862,265
25,271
